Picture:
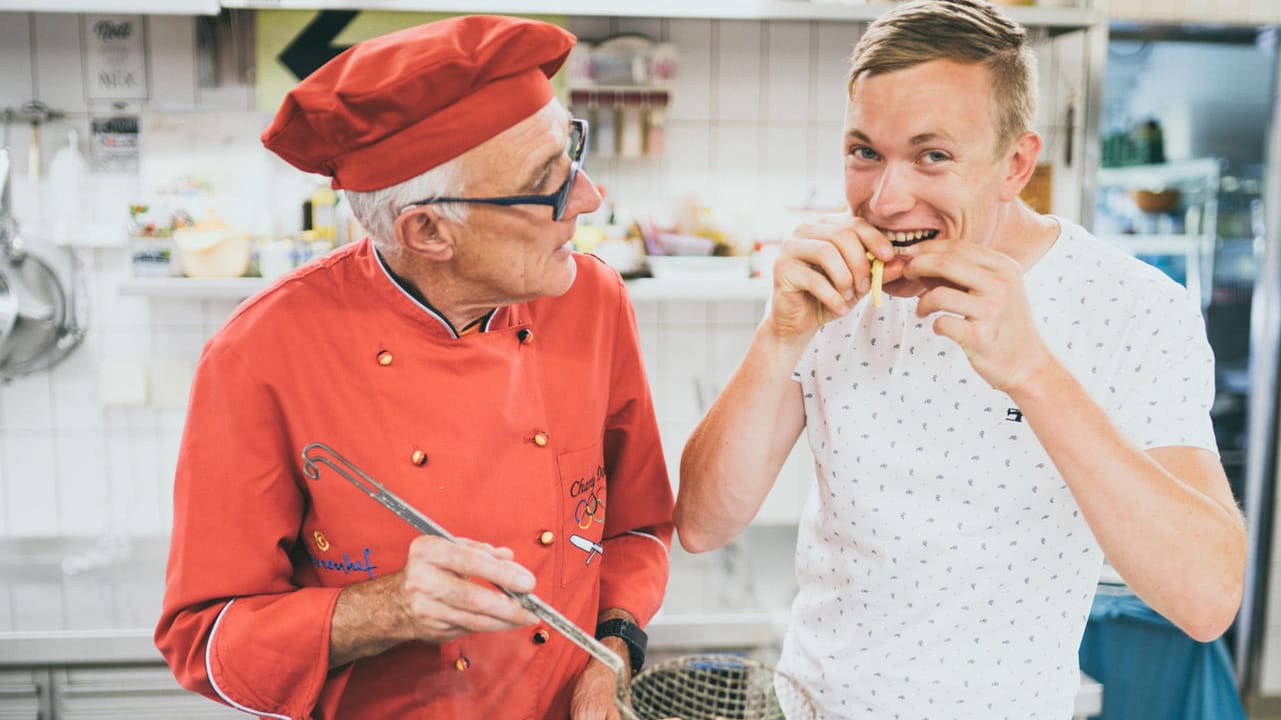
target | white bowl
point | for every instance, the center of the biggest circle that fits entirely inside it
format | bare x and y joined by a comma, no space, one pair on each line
699,267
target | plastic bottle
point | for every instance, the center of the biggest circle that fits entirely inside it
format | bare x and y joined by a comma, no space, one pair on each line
323,221
67,185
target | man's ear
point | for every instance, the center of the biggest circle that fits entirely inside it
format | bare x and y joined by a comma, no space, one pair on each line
422,232
1020,164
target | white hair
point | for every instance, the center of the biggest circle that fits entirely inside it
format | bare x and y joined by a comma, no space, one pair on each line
377,210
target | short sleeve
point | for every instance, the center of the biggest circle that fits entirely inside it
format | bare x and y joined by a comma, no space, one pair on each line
1169,377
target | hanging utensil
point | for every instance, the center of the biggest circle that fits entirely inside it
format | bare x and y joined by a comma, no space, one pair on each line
38,327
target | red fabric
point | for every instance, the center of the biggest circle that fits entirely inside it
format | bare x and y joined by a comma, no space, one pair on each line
391,108
299,364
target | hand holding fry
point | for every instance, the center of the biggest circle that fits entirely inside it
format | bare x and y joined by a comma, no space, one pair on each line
823,270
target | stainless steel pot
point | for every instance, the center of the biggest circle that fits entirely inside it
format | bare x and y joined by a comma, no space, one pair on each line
37,326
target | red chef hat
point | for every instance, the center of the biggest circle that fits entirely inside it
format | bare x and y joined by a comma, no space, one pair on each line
391,108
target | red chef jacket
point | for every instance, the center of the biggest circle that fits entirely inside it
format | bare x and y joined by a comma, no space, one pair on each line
537,434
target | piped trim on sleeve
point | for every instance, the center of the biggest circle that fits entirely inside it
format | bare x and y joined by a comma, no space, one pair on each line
213,682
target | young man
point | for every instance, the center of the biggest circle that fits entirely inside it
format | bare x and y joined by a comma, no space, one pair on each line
464,357
1025,401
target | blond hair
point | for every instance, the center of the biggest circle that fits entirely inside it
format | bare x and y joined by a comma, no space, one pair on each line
966,31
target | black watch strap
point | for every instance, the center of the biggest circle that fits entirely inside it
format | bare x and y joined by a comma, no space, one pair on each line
631,634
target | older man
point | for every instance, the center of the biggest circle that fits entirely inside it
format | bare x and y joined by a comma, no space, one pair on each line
462,355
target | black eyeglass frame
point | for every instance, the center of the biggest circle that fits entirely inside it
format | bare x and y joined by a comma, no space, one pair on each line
556,200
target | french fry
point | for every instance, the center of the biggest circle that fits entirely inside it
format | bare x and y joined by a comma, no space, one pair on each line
878,273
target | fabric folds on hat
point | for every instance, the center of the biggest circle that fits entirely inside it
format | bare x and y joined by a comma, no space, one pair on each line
393,107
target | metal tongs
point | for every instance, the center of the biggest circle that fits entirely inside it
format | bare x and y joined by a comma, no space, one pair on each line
311,456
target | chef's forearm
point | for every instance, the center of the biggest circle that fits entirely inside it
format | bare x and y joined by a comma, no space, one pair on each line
366,621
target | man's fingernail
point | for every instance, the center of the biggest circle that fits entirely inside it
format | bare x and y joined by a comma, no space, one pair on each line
864,284
849,295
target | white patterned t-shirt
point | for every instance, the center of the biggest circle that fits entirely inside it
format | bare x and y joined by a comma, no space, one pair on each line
945,570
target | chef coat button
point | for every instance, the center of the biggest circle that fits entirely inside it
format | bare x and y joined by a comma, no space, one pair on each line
384,358
462,663
540,439
525,335
546,537
418,458
540,637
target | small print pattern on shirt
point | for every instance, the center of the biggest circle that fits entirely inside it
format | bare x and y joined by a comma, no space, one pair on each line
945,570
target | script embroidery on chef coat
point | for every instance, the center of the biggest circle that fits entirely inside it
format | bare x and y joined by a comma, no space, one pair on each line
346,566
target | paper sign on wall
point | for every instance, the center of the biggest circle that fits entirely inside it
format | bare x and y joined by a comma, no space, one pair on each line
115,58
291,43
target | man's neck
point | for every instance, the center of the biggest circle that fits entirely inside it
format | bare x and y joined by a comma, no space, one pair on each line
1026,235
447,297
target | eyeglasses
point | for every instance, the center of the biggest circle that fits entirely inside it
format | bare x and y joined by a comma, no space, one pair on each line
557,200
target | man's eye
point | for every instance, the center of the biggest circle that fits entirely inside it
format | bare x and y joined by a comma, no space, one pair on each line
862,152
934,157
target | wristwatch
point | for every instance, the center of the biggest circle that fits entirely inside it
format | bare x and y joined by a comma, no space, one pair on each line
631,634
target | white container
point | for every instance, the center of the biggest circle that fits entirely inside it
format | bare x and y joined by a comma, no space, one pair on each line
275,258
215,253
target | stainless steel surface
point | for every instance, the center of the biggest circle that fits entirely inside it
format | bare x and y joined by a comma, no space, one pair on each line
105,613
1261,446
1089,699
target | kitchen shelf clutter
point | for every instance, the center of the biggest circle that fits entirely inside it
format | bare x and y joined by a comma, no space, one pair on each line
1167,215
640,289
1053,18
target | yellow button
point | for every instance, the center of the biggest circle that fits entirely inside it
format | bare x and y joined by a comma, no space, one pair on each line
546,537
462,663
419,457
540,439
384,358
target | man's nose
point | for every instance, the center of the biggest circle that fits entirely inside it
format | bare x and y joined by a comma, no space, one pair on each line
583,197
893,193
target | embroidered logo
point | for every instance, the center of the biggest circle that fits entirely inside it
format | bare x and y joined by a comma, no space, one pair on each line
322,543
590,507
1014,415
347,566
588,497
586,545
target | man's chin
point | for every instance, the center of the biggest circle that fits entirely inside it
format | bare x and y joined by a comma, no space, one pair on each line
904,288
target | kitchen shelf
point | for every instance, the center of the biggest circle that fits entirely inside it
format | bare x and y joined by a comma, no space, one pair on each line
694,289
130,7
1197,181
640,289
193,288
1054,18
1164,175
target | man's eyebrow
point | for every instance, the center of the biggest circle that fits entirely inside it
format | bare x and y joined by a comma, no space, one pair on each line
921,139
930,137
858,135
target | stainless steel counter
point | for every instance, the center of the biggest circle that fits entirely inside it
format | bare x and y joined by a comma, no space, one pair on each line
101,609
